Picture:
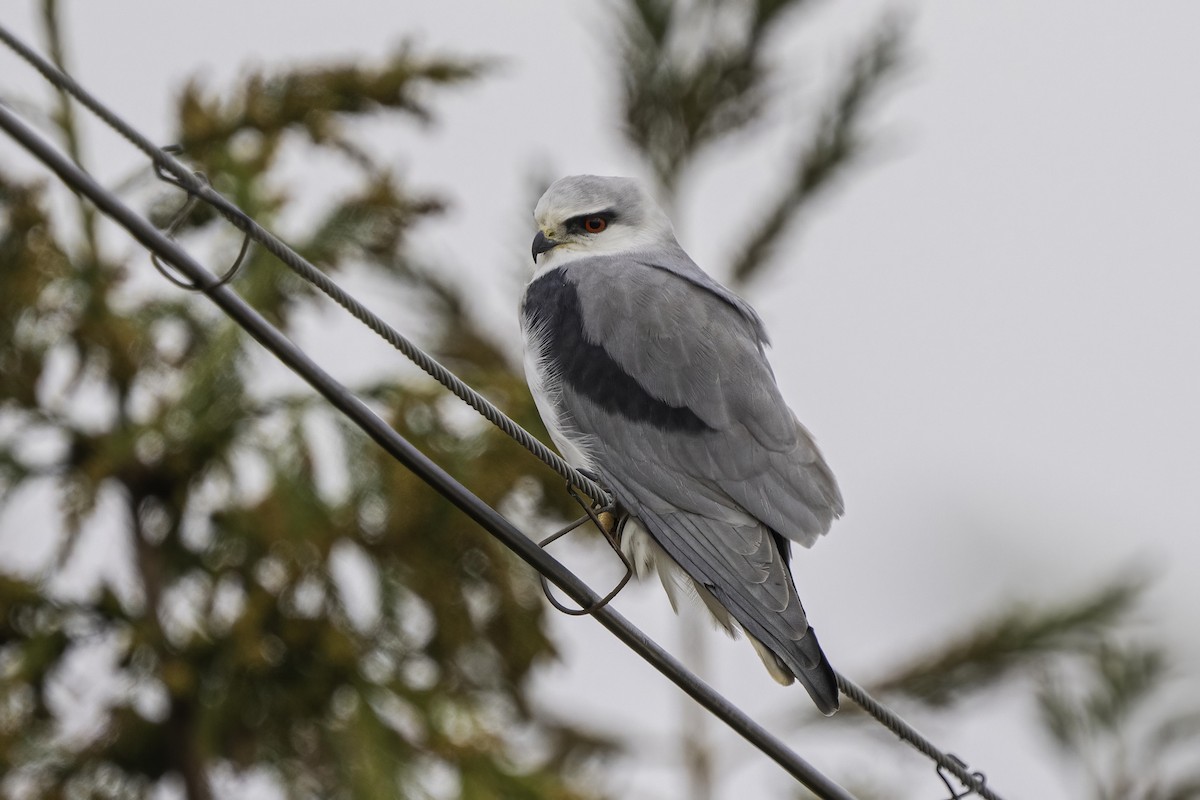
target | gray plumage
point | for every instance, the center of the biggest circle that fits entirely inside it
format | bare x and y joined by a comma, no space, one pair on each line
654,376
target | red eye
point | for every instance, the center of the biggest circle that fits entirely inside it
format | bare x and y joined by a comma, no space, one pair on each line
595,224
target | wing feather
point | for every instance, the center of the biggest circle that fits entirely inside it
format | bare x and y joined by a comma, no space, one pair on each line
696,349
657,377
701,447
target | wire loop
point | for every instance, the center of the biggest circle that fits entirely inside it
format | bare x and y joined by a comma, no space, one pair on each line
605,519
164,162
980,779
177,221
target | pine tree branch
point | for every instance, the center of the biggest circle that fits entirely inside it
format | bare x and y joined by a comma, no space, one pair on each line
64,119
1014,641
836,144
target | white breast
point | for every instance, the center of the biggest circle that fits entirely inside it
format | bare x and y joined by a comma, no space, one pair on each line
546,387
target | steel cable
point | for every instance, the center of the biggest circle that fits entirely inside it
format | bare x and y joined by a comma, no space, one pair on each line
302,267
206,283
356,411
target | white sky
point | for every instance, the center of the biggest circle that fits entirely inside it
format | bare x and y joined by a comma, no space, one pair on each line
992,329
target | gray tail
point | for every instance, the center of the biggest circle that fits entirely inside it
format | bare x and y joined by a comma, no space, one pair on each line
818,678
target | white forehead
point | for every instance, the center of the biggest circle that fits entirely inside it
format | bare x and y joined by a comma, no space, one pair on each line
581,194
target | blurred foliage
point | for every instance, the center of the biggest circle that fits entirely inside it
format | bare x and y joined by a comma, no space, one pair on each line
1119,724
1132,730
1098,682
700,74
1020,636
238,647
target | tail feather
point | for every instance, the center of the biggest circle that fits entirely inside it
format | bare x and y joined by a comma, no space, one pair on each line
774,664
819,680
734,604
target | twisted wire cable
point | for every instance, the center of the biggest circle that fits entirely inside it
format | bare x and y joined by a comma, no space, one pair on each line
305,269
892,721
974,781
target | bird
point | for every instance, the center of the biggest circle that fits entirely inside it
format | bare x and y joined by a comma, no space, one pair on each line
653,377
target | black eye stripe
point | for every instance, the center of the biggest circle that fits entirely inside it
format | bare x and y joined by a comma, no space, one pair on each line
575,224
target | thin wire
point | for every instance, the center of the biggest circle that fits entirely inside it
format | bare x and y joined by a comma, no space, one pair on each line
403,451
185,179
975,781
176,223
302,267
606,522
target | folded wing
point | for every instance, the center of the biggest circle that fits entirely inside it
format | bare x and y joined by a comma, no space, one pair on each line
662,372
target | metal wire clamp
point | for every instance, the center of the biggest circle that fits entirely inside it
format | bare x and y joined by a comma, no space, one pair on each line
605,520
179,218
980,779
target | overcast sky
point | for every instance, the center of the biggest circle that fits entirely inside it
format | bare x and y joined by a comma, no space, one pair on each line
992,329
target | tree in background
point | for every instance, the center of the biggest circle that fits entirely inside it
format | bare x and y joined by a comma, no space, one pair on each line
696,76
236,649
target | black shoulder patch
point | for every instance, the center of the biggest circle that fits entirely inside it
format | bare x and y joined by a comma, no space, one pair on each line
785,549
552,305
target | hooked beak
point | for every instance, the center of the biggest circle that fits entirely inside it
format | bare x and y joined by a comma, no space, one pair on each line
541,244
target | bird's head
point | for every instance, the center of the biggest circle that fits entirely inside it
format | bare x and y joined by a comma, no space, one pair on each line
591,215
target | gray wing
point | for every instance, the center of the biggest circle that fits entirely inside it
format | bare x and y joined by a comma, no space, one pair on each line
662,322
671,389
